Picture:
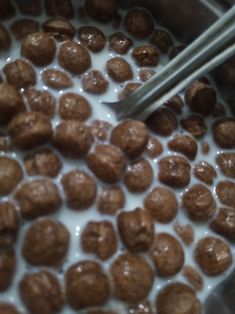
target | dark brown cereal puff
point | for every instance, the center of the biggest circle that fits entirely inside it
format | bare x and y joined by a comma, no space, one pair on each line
101,129
224,132
176,50
176,104
5,39
167,255
200,97
101,11
139,23
59,8
10,175
110,200
42,162
219,111
30,7
174,171
139,176
60,28
205,172
20,74
199,203
129,89
146,74
94,82
99,238
120,43
92,38
226,163
39,48
162,204
136,229
205,148
132,278
24,27
41,292
185,145
162,40
141,308
7,308
162,122
195,125
193,277
213,256
9,224
5,143
7,268
224,223
225,191
38,198
30,129
108,163
154,147
79,188
86,285
177,298
73,106
185,232
7,9
73,138
119,69
73,57
11,102
56,79
42,101
131,136
146,56
46,243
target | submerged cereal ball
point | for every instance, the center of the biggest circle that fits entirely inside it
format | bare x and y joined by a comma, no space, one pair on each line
176,50
42,101
59,8
24,27
74,107
225,191
10,175
73,57
7,268
41,292
167,255
5,39
110,200
162,122
30,129
205,172
56,79
94,82
9,224
86,285
226,163
59,28
7,308
101,11
120,43
79,188
175,103
224,223
20,74
139,23
146,56
131,136
99,238
132,278
39,48
185,145
129,89
136,229
119,69
195,125
213,256
146,74
224,132
100,129
46,243
92,37
108,163
162,40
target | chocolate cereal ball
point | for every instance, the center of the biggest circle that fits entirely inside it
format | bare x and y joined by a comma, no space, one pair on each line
38,198
42,101
59,28
56,79
30,129
193,277
7,268
39,48
73,138
110,200
175,104
154,147
74,107
136,229
205,172
167,255
100,129
79,188
213,256
20,74
119,69
185,145
46,243
120,43
7,9
86,285
139,23
9,224
7,308
11,102
129,89
162,122
108,163
24,27
99,238
141,308
73,57
162,40
226,163
62,8
162,205
139,176
94,82
132,278
42,162
225,191
195,125
146,74
185,232
31,7
146,56
10,175
92,37
224,132
199,203
41,293
101,11
224,223
174,171
131,136
5,39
